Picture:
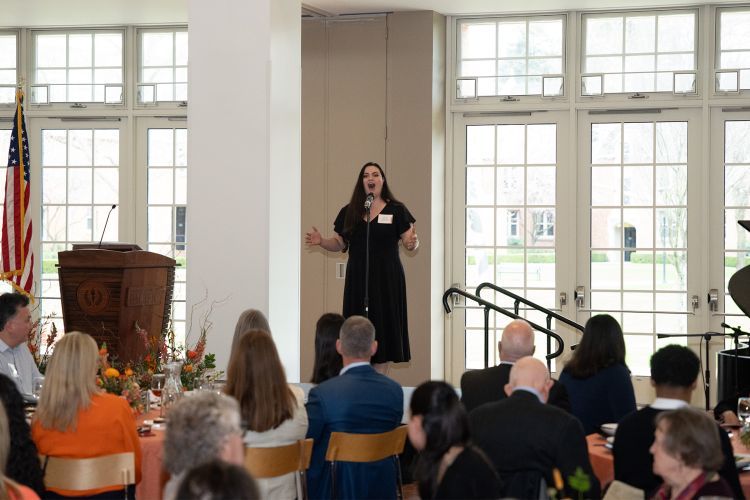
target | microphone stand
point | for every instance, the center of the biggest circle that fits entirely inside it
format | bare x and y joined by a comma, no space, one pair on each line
367,263
707,336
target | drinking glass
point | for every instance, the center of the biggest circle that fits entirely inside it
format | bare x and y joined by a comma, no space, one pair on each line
36,387
743,410
157,384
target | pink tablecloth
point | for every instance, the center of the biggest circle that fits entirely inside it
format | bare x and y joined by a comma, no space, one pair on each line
603,464
152,475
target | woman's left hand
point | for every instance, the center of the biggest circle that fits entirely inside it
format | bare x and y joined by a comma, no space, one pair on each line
409,238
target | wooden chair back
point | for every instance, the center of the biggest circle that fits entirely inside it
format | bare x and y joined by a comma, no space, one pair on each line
363,448
79,474
280,460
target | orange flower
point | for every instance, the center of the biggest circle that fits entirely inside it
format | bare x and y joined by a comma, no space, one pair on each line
111,373
103,350
192,354
128,372
188,368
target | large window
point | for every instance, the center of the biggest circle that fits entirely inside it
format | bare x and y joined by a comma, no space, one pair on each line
511,56
167,207
80,183
8,53
78,67
639,52
733,50
162,73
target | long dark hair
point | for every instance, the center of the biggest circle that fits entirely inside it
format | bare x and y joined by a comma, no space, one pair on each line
445,424
355,211
23,460
601,346
255,378
328,362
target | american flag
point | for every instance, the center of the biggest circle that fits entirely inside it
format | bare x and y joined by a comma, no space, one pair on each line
17,258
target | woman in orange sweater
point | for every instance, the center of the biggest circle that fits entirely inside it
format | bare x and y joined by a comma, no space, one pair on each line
74,418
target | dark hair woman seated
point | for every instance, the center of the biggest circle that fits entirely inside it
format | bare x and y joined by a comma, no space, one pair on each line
328,362
596,376
448,465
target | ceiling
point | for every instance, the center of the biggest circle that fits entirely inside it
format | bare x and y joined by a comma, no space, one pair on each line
339,7
117,12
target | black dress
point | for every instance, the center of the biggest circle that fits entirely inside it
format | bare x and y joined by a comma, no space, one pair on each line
387,309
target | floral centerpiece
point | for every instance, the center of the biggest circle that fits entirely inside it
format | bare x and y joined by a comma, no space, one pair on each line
120,382
40,340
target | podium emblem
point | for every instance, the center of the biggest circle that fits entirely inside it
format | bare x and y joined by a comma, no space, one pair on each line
93,297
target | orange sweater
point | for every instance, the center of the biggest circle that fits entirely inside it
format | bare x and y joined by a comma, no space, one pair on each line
106,427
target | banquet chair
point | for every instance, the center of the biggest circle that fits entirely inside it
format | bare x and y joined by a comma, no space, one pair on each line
279,460
78,474
362,448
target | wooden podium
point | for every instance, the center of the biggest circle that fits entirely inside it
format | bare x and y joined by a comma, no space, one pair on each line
105,291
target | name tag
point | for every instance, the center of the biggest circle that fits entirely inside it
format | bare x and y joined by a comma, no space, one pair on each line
385,219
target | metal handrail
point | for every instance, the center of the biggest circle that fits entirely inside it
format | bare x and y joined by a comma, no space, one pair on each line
490,306
518,299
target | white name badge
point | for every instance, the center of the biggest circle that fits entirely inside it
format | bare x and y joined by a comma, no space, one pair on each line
385,219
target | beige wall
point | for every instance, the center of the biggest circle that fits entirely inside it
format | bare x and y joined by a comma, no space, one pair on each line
369,94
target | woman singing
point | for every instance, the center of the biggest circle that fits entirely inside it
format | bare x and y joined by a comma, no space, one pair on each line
390,222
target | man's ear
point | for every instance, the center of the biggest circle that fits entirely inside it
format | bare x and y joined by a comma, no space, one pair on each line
373,348
338,347
508,389
499,347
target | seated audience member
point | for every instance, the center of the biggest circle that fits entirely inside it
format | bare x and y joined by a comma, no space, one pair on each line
16,360
526,439
10,489
448,466
250,319
483,386
596,377
328,362
726,410
23,462
687,454
674,375
272,411
359,400
76,419
202,427
218,480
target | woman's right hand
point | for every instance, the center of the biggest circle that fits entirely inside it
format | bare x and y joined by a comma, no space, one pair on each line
313,237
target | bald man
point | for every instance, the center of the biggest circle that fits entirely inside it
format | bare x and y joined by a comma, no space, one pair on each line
526,438
484,386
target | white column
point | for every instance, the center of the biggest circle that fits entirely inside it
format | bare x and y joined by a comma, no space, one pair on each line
243,218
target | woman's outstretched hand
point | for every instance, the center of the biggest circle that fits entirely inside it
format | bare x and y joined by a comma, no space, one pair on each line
313,237
409,238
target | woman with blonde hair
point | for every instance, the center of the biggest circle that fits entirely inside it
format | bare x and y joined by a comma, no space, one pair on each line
250,319
273,412
9,489
75,418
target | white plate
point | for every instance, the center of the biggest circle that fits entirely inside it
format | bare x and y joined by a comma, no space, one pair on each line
609,429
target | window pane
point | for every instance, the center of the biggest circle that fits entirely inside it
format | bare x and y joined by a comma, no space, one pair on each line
516,51
51,51
654,47
79,50
108,50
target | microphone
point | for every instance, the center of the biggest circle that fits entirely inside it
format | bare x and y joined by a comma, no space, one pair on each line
368,201
736,330
105,224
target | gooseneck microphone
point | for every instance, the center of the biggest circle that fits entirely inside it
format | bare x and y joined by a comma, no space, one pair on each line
105,224
368,201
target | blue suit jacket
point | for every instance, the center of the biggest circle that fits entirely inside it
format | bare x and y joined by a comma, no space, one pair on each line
361,401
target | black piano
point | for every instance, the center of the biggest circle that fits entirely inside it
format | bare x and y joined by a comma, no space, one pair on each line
733,384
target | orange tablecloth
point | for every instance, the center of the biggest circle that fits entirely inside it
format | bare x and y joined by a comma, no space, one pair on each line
152,476
603,464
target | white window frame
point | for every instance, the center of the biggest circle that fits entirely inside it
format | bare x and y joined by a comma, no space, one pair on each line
19,69
137,72
453,38
635,97
31,58
715,54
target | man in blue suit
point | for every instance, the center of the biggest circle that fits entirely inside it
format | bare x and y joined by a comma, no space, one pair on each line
359,400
